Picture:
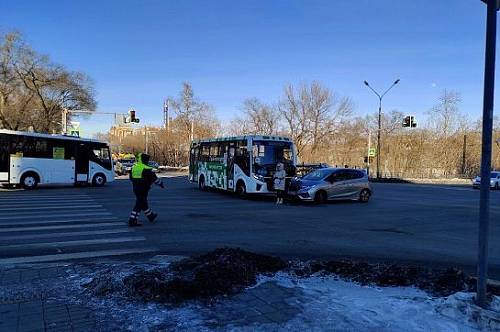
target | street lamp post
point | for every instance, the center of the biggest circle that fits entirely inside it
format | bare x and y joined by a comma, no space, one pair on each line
484,196
380,97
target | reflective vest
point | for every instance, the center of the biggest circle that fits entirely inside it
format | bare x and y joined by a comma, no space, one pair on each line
138,168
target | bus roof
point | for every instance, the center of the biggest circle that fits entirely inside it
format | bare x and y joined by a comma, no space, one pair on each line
56,136
238,138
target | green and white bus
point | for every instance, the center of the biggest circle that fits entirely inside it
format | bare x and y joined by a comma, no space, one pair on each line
243,164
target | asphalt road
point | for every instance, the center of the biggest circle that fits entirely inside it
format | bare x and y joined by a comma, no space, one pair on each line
429,224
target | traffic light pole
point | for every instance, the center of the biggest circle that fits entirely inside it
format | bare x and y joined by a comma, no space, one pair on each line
66,112
380,97
484,198
378,135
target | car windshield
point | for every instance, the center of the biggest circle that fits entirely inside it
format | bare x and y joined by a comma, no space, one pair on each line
317,175
494,174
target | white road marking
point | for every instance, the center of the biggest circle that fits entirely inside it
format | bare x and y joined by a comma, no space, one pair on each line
68,234
76,255
18,223
44,202
51,207
37,197
37,215
43,228
71,243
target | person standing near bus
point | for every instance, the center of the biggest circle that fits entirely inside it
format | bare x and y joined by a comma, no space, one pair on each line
142,177
279,183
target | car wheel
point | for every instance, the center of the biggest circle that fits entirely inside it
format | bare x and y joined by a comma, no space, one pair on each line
29,180
98,180
201,183
364,195
241,189
320,197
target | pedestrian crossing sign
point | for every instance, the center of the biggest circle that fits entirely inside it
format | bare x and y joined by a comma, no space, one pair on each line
372,152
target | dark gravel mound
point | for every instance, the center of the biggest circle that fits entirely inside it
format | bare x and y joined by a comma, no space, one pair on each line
436,282
220,272
103,285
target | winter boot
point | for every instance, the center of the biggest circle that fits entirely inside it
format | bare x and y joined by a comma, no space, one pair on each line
134,223
152,216
132,220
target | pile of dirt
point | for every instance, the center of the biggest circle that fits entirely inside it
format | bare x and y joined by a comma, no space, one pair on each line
221,272
437,282
103,285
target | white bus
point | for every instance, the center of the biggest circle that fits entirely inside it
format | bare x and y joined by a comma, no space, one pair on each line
29,159
243,164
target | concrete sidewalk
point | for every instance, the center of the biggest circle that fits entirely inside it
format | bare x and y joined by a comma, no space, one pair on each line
34,307
37,311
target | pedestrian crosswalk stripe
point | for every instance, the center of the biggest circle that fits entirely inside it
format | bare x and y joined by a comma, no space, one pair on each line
62,197
66,234
50,207
62,221
56,215
30,202
33,222
62,244
76,255
42,228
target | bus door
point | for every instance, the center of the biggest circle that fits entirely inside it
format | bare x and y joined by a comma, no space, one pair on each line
82,162
230,166
193,162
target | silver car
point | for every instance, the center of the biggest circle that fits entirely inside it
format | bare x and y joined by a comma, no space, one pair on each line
326,184
494,181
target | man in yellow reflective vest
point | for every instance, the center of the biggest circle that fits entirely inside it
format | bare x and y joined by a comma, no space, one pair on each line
142,177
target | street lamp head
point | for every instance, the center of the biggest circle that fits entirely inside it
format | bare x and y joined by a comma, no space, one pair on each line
366,83
397,81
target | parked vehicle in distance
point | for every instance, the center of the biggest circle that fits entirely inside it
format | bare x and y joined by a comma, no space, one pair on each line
154,165
324,184
124,166
494,181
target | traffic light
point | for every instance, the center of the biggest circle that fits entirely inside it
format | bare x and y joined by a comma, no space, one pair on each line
131,117
409,121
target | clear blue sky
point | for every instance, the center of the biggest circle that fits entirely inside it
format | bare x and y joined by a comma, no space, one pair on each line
139,52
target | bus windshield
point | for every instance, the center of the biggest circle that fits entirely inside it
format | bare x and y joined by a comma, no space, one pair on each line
266,154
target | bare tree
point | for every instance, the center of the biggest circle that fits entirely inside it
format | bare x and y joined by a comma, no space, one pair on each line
34,91
194,115
312,115
257,118
445,117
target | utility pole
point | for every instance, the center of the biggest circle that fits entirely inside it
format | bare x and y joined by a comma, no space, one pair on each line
368,152
146,139
380,97
166,119
484,198
464,153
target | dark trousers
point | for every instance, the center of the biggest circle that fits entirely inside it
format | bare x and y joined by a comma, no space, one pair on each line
280,194
141,201
141,204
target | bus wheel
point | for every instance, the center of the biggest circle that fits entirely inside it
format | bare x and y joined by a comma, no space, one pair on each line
29,180
98,180
201,183
241,189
